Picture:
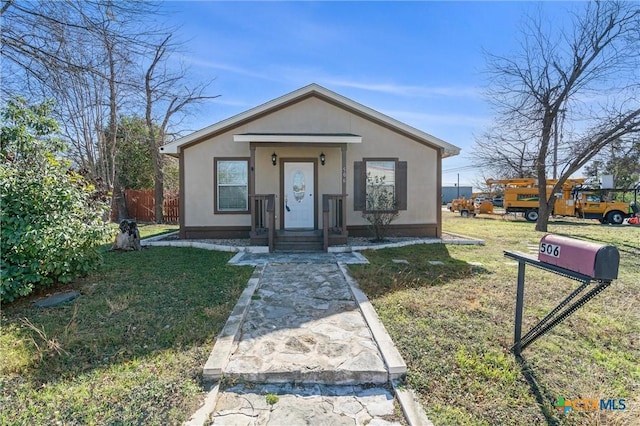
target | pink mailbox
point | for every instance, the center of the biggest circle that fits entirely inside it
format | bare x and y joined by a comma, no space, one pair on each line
597,261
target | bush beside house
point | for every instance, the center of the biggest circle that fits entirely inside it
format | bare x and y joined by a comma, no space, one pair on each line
51,216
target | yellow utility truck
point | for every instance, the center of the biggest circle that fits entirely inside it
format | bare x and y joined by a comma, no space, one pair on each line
573,199
477,204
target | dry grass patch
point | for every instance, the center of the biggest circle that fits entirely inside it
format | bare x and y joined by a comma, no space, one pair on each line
453,324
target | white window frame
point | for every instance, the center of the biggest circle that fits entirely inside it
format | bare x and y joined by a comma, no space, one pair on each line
218,185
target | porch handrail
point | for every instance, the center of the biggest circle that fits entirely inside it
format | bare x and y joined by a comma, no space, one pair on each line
333,220
263,209
271,220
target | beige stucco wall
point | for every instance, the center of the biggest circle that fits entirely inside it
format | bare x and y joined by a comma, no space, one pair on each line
310,116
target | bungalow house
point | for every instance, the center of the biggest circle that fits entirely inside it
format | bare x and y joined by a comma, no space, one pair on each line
297,167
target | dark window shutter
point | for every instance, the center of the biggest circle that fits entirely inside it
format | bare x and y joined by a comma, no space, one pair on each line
401,185
358,185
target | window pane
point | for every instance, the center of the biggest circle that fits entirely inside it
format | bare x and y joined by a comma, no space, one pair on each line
382,170
381,182
232,197
232,179
232,173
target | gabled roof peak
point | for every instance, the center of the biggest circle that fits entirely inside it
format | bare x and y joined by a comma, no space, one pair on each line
312,89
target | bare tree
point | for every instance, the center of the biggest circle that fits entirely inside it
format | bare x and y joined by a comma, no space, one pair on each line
81,54
88,56
505,154
586,75
165,97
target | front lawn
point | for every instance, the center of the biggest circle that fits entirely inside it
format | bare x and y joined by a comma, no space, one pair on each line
153,229
453,324
129,350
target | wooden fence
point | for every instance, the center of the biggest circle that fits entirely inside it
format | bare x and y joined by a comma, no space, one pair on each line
140,205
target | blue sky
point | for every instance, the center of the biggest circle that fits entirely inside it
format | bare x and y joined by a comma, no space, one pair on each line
422,63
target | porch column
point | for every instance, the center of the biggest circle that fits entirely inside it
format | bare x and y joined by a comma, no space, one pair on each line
439,194
252,188
343,148
252,172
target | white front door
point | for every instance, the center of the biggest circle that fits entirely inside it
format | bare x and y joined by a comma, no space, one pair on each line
298,195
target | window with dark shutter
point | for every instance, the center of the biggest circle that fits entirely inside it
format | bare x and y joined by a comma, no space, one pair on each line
394,173
381,185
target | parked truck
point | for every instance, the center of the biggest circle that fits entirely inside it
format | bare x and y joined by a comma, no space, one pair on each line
465,204
573,199
479,203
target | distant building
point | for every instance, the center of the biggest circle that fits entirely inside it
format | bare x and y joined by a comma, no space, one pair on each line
451,192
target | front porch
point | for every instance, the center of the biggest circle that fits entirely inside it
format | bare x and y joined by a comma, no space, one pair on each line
264,232
288,177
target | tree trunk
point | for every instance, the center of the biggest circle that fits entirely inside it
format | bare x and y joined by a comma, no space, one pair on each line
158,190
543,216
156,160
544,211
120,203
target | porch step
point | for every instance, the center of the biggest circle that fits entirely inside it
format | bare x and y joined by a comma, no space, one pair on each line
298,241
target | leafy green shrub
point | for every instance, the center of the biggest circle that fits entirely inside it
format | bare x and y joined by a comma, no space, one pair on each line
51,219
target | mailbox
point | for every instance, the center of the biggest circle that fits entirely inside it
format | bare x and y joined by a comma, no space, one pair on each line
597,261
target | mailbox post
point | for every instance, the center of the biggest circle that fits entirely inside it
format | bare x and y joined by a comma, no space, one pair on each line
575,259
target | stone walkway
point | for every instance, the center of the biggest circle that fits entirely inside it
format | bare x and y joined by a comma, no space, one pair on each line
304,326
303,346
306,405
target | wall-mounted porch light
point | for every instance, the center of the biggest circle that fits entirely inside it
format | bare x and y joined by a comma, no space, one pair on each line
323,158
274,158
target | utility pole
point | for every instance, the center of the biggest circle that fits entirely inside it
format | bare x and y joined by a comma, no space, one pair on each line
555,148
555,142
458,185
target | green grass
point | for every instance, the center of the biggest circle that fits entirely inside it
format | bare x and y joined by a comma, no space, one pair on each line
453,324
129,350
152,229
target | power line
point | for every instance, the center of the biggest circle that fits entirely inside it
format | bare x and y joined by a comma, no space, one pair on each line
455,169
467,167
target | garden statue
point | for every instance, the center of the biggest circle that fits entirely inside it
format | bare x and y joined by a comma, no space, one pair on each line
129,237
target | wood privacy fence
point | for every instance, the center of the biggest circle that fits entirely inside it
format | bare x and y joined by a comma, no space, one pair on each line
140,205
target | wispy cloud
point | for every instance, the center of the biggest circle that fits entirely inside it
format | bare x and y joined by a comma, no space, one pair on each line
462,120
233,102
226,67
411,90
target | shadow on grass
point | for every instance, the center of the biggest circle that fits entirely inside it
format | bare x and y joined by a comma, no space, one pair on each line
396,269
542,395
574,224
139,304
